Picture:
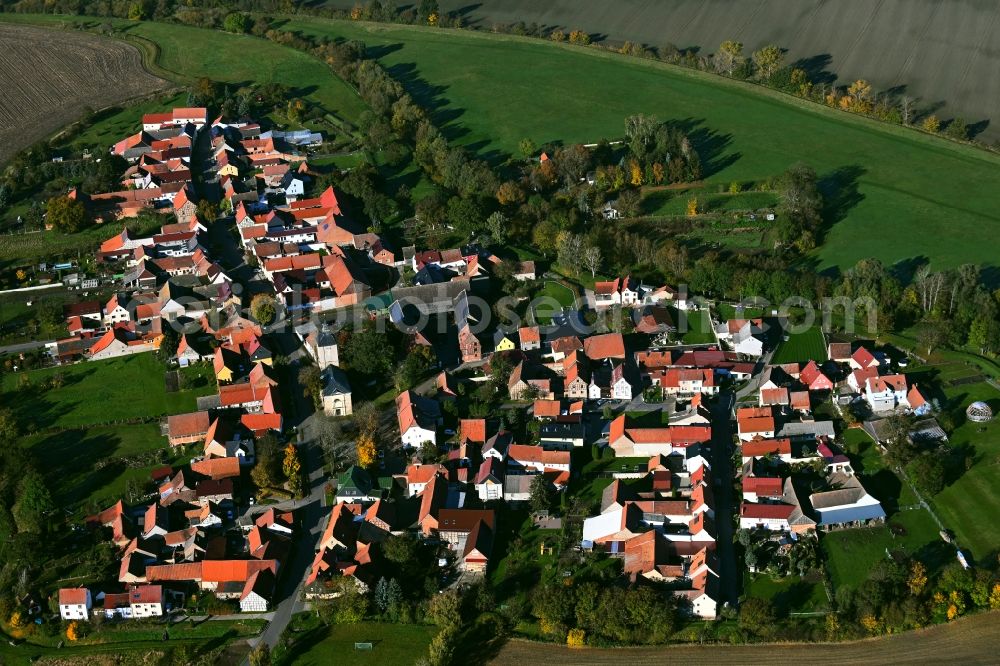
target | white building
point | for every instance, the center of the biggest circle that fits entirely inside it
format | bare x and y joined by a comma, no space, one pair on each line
146,600
74,603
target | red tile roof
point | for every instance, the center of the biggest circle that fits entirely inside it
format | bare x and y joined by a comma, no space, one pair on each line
72,595
188,425
217,468
547,408
608,345
472,430
763,447
763,486
755,419
766,511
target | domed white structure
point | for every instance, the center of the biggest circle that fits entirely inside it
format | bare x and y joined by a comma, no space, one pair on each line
979,412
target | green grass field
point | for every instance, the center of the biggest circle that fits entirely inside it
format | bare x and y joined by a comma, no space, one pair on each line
673,203
904,180
966,505
851,553
393,644
792,594
699,325
76,437
99,392
802,347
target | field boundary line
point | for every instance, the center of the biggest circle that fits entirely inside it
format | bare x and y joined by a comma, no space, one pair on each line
912,133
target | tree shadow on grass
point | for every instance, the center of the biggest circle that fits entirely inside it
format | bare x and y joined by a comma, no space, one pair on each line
710,145
840,194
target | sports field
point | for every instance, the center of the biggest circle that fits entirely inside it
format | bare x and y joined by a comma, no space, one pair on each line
906,194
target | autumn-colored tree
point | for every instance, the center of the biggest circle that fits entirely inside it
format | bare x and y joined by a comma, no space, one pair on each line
433,18
768,60
356,12
366,449
871,624
635,173
557,36
931,124
735,187
579,37
692,206
658,173
17,620
66,214
21,275
73,631
576,638
800,79
291,465
832,627
858,98
918,578
995,597
728,57
510,193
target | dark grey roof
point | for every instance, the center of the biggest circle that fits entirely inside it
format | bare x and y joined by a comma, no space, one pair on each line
335,382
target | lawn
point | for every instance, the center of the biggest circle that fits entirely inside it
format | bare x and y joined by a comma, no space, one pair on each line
968,505
99,429
673,203
112,125
89,468
392,644
17,249
184,54
792,594
98,393
743,133
851,553
809,345
695,327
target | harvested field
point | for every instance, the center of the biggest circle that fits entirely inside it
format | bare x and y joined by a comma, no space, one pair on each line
49,77
973,640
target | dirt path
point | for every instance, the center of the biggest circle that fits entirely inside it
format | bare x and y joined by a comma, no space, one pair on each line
974,640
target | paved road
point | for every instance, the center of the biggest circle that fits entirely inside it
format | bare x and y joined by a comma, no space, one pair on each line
722,471
751,387
24,346
310,510
312,521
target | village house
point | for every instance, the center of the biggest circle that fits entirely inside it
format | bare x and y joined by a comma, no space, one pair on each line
753,422
418,419
75,603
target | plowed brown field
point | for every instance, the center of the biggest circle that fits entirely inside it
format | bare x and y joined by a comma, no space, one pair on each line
973,640
48,76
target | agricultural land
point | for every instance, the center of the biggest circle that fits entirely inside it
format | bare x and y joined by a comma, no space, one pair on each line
49,82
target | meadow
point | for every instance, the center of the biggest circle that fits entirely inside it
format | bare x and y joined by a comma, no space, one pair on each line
882,182
77,429
391,644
